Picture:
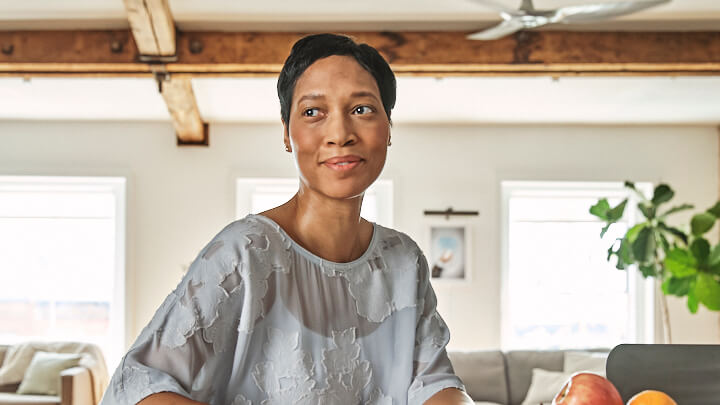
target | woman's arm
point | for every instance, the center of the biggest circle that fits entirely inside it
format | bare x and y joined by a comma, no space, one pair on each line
449,396
167,398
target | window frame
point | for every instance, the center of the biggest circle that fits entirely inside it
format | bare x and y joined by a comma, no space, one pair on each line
117,186
642,292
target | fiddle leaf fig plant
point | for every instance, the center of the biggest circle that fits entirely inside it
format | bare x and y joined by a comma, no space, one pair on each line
685,263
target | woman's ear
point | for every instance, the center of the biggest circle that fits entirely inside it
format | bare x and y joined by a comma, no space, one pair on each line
286,137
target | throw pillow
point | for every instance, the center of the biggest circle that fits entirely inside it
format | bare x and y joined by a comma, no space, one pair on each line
43,374
544,386
585,361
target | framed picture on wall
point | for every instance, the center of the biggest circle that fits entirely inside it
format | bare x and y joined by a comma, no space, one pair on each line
448,250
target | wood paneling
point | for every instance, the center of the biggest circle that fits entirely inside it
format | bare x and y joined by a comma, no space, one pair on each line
553,53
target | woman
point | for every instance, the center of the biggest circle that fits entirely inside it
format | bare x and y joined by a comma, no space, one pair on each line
307,303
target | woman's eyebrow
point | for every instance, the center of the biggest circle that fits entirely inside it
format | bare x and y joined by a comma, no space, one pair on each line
364,94
356,94
311,96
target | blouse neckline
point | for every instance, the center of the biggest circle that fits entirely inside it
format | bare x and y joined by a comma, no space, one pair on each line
313,257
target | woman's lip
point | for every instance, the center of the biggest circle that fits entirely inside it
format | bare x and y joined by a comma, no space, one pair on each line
343,166
341,159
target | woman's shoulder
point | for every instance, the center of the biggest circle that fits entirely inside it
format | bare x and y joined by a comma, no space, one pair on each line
233,242
250,224
245,232
394,242
390,237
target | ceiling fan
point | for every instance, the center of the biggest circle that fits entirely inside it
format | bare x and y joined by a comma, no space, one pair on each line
528,17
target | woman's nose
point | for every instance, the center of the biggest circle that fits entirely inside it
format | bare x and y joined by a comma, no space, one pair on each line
340,131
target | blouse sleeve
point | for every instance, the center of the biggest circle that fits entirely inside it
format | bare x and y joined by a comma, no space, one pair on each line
432,371
181,349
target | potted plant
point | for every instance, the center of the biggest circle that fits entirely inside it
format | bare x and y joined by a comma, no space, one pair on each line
683,264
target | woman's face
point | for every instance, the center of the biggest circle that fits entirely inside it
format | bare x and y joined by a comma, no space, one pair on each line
338,129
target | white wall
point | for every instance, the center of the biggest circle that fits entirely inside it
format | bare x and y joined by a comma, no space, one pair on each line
178,198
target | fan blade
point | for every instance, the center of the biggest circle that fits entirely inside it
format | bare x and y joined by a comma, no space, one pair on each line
506,27
496,6
601,11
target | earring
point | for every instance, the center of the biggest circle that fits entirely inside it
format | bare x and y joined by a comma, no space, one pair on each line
389,141
287,148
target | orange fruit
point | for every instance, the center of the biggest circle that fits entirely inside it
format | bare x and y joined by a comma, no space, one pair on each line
651,397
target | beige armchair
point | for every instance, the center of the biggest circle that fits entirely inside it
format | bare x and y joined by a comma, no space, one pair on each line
76,387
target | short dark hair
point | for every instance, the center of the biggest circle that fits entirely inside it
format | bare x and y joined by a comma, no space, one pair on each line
309,49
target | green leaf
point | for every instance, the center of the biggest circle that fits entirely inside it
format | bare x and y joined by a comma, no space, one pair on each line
715,209
677,208
692,301
677,286
663,193
614,214
680,263
605,229
647,210
632,234
643,248
701,223
630,185
714,258
707,291
625,255
664,242
700,249
648,270
674,231
600,209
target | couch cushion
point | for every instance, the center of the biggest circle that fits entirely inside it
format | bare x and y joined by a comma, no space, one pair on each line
545,385
483,373
9,387
520,364
17,399
585,361
43,374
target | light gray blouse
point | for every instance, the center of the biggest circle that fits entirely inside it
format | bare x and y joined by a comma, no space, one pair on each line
258,319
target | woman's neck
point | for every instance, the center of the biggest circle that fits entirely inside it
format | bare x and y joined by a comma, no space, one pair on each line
329,228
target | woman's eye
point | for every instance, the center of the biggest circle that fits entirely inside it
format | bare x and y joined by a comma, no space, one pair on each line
363,109
310,112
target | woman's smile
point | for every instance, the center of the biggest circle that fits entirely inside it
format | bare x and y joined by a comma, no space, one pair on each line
343,163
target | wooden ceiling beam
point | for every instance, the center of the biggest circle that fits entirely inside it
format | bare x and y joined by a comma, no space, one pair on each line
180,99
540,53
153,30
152,26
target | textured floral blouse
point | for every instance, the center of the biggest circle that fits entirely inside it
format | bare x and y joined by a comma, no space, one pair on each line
258,319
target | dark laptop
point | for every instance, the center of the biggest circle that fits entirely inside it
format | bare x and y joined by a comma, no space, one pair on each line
690,374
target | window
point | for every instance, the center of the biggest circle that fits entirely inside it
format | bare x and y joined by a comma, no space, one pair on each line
255,195
62,260
558,289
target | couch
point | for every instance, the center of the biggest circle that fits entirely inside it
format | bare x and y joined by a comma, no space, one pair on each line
493,377
78,385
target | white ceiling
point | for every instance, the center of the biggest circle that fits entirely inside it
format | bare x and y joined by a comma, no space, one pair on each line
510,100
318,15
